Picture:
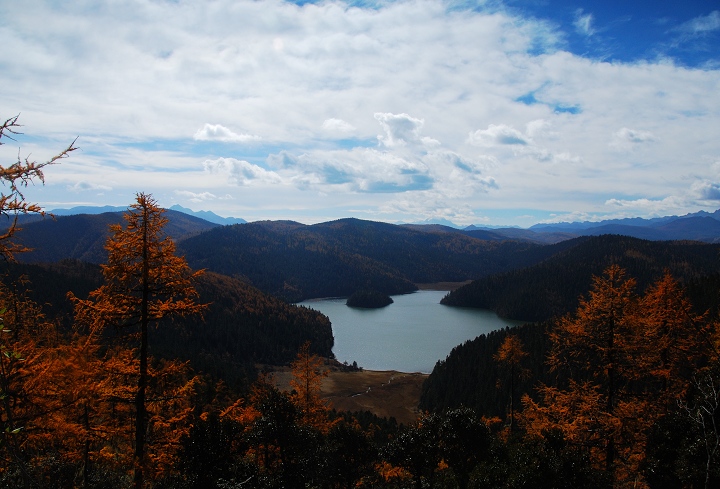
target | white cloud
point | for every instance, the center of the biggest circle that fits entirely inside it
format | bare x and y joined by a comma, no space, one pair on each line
400,129
702,24
498,134
216,132
537,127
707,190
583,23
84,186
366,170
241,172
647,207
634,136
338,126
196,196
310,81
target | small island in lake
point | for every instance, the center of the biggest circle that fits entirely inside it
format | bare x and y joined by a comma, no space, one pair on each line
369,299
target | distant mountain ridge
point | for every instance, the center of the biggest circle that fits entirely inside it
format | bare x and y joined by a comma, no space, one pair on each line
698,226
297,261
209,216
83,236
93,210
629,221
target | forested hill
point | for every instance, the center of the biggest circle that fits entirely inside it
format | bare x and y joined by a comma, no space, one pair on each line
297,261
553,286
83,236
241,327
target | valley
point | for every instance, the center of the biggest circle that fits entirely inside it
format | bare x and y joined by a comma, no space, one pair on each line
313,407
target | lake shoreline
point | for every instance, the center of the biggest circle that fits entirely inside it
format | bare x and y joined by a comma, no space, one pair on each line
410,335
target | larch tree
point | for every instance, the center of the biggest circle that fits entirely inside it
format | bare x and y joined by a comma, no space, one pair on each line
510,355
307,377
23,351
144,282
673,340
15,177
593,348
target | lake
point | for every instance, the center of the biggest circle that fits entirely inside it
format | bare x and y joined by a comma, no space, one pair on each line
410,335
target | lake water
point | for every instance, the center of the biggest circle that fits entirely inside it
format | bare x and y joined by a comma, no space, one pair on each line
410,335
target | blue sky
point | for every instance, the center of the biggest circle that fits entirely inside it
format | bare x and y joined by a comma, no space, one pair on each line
490,112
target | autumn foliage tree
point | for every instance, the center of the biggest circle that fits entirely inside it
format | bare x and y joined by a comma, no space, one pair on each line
599,408
672,340
14,178
306,382
510,355
26,337
144,282
623,361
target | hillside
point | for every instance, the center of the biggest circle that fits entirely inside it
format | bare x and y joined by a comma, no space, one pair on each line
242,326
297,262
469,376
83,236
552,287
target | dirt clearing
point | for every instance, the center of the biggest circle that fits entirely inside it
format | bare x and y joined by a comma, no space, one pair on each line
385,393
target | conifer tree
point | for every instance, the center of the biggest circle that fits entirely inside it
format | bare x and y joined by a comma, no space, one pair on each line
24,350
673,340
144,282
15,177
594,347
306,382
511,354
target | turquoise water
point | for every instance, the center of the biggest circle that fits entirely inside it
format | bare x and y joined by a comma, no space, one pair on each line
410,335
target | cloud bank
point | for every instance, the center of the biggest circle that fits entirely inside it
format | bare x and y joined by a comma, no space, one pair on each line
396,111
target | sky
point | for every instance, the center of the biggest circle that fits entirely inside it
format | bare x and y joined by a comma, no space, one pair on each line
492,112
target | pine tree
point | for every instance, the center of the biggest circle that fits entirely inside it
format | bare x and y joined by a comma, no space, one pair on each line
144,282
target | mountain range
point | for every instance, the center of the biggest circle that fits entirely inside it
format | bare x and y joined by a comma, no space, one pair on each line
698,226
206,215
296,261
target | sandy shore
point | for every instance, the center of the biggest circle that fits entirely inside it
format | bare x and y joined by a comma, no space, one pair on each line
386,393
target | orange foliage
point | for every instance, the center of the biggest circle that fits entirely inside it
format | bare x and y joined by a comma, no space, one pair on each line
144,283
672,339
628,359
308,374
392,474
18,175
511,354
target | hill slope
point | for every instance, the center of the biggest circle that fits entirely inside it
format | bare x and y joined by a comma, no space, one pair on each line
297,262
553,286
241,327
83,236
